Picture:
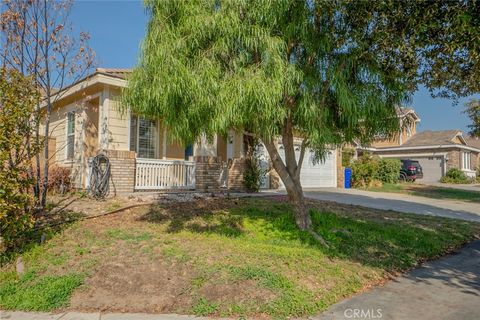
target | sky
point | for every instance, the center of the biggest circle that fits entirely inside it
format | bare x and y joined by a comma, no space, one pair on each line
117,28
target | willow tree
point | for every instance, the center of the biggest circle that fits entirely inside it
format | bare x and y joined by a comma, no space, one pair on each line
277,69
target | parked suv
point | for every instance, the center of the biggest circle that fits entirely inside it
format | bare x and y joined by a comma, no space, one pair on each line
411,170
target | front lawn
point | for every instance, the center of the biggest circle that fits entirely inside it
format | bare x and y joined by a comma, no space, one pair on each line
430,191
238,257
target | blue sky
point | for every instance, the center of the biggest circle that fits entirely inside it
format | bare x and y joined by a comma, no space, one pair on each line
117,28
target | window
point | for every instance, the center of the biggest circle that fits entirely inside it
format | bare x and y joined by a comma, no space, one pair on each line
70,135
143,136
466,161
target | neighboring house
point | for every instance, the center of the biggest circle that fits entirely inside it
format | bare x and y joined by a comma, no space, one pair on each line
437,151
86,120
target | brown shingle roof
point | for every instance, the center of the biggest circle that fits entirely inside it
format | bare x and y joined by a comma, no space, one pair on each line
114,72
432,138
473,142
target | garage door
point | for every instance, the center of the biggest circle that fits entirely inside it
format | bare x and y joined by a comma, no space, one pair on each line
316,174
432,168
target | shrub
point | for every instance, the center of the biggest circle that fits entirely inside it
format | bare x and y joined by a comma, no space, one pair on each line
59,179
347,156
455,175
370,171
365,171
389,170
17,100
253,174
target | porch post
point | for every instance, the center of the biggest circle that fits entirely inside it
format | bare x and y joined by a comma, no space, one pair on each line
164,143
103,119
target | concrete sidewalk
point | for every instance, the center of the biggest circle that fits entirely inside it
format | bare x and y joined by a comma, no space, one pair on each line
448,288
17,315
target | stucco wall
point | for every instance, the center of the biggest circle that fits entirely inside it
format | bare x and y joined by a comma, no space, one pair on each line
118,121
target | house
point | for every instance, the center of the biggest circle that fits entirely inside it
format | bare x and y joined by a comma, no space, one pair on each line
86,120
436,151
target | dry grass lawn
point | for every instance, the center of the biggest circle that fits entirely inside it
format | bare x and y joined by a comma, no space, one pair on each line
223,257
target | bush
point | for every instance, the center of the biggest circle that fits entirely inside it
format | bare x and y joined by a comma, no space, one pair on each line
59,179
389,170
347,156
455,175
368,171
253,174
17,100
365,171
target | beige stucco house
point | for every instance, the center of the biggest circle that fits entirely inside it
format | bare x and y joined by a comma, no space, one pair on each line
437,151
86,120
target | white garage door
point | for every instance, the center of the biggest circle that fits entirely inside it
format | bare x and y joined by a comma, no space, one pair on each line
316,174
432,168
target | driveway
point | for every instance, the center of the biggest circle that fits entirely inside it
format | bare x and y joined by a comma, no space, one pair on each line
448,288
399,202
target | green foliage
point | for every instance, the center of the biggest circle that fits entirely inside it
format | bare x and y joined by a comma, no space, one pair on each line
210,66
17,100
369,170
389,170
455,175
331,72
473,112
252,176
365,171
347,156
204,308
336,69
34,293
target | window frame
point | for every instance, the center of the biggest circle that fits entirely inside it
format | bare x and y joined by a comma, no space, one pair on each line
466,160
69,134
136,136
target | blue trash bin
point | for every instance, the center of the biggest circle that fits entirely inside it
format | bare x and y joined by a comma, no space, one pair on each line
348,178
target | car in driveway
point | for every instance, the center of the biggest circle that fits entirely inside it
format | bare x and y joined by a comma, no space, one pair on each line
411,170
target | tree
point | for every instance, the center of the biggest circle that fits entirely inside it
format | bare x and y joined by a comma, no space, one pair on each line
473,112
37,40
328,72
17,100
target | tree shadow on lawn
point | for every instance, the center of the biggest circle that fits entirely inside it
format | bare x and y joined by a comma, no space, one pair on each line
388,240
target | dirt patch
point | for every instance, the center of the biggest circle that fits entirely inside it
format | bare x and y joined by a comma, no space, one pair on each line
238,292
152,287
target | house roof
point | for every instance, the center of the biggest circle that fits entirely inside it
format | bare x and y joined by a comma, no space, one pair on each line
473,142
431,138
403,112
114,72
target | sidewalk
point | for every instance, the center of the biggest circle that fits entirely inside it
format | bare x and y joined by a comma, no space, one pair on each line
17,315
444,289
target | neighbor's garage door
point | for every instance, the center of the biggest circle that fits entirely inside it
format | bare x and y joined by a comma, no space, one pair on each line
315,175
432,168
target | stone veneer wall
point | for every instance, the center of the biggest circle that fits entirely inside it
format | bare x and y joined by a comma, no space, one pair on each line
208,173
235,174
122,171
454,160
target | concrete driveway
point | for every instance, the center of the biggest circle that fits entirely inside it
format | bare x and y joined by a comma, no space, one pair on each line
399,202
448,288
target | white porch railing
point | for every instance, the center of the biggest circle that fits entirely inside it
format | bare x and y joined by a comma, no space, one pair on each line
154,174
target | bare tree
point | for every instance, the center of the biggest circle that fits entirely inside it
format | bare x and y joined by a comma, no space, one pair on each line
38,40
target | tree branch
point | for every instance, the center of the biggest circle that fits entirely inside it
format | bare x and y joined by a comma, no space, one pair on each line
303,147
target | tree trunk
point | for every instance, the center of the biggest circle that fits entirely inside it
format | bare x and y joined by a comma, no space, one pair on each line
295,195
294,190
